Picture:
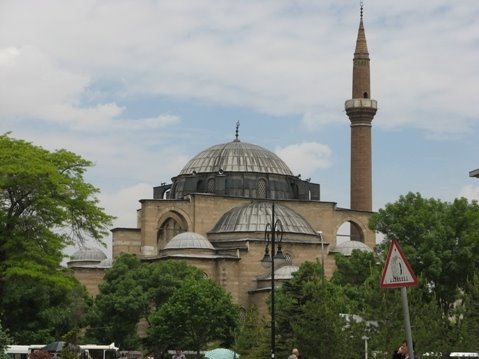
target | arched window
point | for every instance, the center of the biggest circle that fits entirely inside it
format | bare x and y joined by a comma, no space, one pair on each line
168,229
261,188
211,185
365,95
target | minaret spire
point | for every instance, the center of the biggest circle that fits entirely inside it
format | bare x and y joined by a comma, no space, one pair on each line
237,132
361,110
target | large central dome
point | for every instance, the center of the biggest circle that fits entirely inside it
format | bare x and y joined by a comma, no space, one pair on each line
238,169
236,156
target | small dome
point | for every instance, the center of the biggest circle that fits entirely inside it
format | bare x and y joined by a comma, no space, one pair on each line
284,272
346,248
89,254
106,263
236,156
255,216
189,240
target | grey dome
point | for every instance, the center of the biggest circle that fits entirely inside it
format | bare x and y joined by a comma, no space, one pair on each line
255,216
236,156
284,272
189,240
346,248
89,254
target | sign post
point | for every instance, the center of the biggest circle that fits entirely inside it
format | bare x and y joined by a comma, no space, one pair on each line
397,273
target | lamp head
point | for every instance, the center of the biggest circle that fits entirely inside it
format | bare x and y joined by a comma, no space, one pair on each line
266,262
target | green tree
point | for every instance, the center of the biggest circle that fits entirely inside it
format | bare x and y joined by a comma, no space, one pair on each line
466,319
131,291
4,341
197,313
440,240
252,339
45,205
308,315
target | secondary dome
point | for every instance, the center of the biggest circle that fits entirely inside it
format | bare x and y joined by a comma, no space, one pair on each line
89,254
236,156
189,240
346,248
255,216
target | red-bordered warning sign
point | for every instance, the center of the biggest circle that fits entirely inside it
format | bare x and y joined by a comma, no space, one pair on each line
397,270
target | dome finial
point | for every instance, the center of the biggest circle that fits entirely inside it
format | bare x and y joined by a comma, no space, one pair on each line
361,5
237,130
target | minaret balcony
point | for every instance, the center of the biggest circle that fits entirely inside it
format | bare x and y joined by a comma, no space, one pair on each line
360,103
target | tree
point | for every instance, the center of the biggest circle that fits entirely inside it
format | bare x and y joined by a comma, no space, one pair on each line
45,204
42,311
131,291
308,314
440,240
252,339
197,313
467,319
4,341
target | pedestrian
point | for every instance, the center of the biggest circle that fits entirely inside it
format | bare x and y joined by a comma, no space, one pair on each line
178,355
402,352
294,354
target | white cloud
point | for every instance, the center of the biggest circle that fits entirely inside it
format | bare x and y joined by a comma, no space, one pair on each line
124,203
274,56
470,192
305,158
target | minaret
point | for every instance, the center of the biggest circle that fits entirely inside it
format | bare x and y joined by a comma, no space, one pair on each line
361,110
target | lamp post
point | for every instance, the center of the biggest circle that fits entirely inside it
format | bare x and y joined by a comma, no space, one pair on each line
320,233
273,235
365,338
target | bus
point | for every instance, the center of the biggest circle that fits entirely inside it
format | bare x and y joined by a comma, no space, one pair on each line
17,351
95,351
21,351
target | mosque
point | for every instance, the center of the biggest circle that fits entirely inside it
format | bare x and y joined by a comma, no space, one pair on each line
217,213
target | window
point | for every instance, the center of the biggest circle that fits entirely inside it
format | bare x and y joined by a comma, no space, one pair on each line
211,185
261,188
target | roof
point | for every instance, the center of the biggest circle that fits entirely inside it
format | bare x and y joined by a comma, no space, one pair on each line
255,216
346,248
236,156
474,173
189,240
89,254
284,272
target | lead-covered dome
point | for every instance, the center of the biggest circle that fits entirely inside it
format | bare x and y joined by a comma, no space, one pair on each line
347,248
255,216
189,240
89,254
236,156
238,169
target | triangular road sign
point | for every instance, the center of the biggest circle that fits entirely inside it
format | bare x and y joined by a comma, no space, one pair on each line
397,270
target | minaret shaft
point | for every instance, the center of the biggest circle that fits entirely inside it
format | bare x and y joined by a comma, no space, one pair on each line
361,110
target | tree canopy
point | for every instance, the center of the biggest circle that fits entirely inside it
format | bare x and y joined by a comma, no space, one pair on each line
177,305
45,205
440,240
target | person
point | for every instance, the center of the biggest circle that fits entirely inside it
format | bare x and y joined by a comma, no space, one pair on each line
294,354
178,355
402,352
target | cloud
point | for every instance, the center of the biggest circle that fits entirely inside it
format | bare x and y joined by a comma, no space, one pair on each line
124,203
273,56
470,192
305,158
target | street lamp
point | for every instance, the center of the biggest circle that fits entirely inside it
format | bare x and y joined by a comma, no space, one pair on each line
320,233
365,338
273,235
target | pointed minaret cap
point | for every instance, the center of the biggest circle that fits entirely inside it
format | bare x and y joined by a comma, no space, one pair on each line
361,50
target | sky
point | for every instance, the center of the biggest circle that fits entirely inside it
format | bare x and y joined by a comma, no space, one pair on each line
140,86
